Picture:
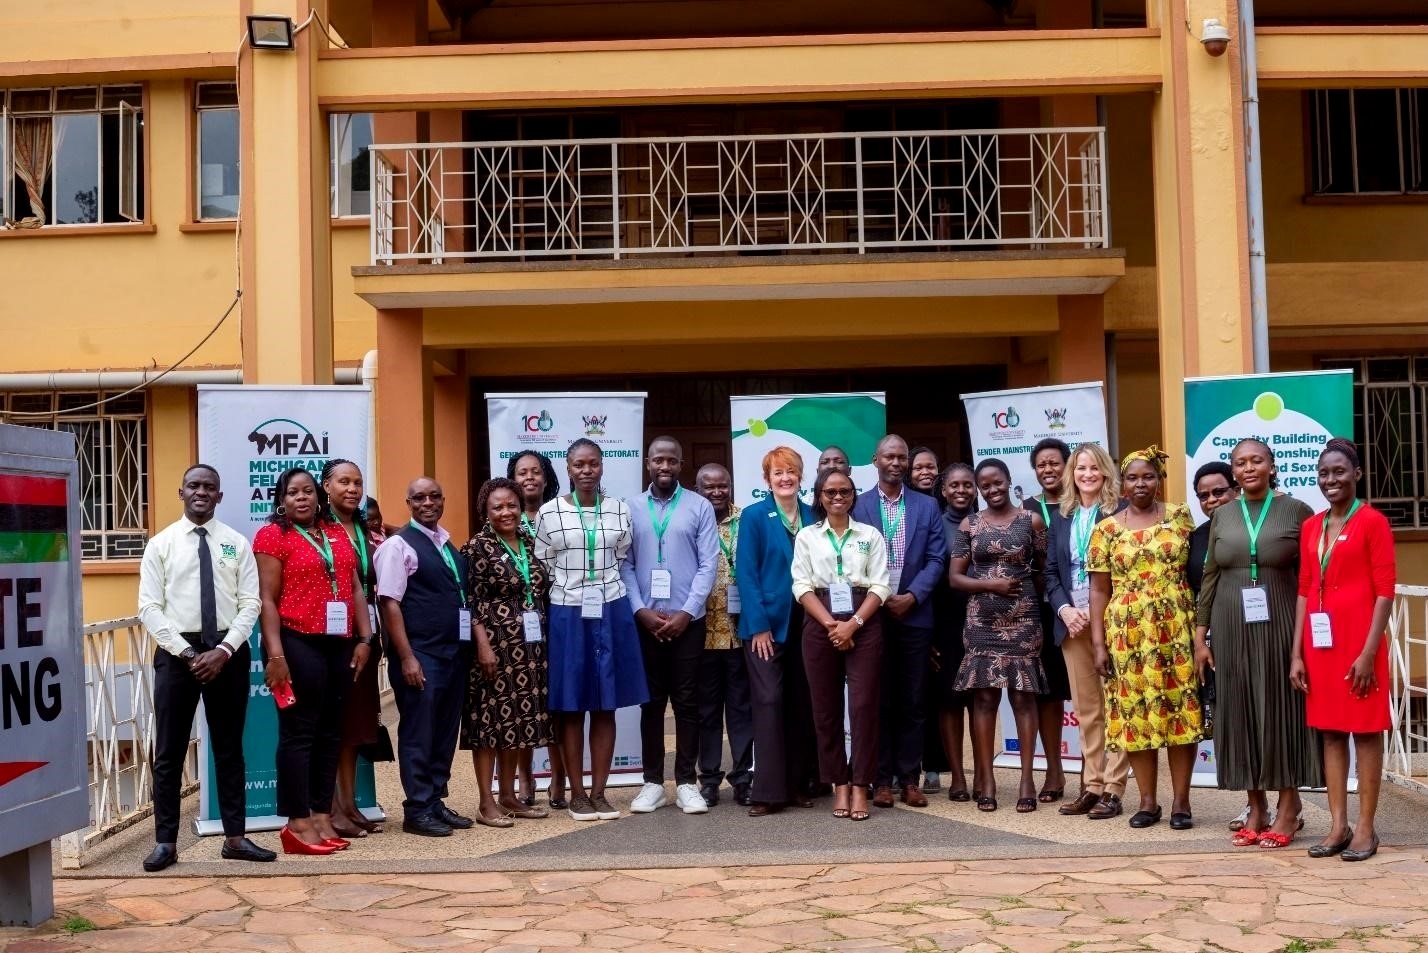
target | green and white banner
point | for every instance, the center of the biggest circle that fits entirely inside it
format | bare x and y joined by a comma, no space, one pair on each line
1294,413
808,423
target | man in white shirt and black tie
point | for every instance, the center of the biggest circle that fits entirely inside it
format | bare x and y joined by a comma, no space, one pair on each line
198,596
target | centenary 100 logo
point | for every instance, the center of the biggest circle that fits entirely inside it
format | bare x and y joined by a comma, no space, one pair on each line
538,423
1006,419
284,437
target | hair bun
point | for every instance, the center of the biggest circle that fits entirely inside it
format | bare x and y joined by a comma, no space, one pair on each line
1346,447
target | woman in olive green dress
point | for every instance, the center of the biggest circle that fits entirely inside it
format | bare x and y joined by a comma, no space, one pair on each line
1262,740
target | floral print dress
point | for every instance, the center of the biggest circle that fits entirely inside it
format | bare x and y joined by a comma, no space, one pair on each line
1152,696
1002,633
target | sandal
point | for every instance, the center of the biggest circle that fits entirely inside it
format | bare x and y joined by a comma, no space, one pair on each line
1245,837
1025,805
1051,795
1273,840
859,815
959,795
349,834
986,804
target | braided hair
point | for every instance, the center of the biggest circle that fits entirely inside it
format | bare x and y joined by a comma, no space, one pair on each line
547,469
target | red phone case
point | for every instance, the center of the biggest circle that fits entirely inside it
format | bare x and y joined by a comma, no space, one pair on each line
283,695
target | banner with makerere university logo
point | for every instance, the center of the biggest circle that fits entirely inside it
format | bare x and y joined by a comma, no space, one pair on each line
251,434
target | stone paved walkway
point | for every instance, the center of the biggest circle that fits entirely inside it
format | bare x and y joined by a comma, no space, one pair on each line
1246,902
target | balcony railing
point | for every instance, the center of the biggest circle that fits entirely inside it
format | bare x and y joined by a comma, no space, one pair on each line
860,193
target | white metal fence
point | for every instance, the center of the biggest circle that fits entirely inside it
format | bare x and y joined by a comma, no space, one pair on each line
850,192
1406,760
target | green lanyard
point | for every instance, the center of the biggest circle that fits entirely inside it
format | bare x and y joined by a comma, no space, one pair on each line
523,566
1254,535
1326,548
660,525
527,525
728,548
590,533
838,545
890,529
325,551
447,558
1045,513
359,543
794,525
1081,527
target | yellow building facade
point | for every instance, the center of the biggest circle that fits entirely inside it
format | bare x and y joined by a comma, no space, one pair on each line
696,198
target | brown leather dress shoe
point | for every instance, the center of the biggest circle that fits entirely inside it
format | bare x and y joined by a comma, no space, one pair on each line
1109,806
912,796
1082,805
883,796
764,809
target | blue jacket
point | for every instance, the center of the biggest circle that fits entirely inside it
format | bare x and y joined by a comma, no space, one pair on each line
925,552
763,566
1060,581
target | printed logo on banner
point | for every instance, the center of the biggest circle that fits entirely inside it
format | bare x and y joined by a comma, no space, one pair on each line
542,422
1056,418
280,443
595,425
291,440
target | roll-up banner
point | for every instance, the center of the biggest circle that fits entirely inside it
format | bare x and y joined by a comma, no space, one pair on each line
809,424
251,434
549,423
1006,425
1295,414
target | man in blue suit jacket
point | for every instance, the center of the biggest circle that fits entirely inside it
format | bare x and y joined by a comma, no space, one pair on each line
917,560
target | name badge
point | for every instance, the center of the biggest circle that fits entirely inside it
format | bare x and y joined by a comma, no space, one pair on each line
463,624
733,598
1081,598
840,598
336,618
592,602
894,578
1320,632
372,618
530,625
1256,603
660,584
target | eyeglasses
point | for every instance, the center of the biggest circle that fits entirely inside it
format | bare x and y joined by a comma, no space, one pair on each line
837,494
1218,493
423,497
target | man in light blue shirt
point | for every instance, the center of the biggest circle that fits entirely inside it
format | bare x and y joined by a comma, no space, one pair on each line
669,574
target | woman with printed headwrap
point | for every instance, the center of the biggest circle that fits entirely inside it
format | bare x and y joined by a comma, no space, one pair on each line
1142,620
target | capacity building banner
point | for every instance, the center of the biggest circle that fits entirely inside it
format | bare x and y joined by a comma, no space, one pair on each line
251,434
808,423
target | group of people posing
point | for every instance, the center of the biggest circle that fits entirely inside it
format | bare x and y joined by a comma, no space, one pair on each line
913,604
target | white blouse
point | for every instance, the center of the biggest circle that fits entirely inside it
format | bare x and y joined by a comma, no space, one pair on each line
865,560
561,544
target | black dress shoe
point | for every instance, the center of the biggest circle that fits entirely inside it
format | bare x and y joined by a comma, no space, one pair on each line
1142,819
710,794
247,850
1181,821
426,825
163,855
450,818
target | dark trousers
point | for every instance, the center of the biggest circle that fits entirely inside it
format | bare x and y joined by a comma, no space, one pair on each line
903,718
310,731
225,706
784,743
429,720
828,669
672,673
724,701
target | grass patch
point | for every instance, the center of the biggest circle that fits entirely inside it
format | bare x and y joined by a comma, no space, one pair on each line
1118,920
78,924
1298,945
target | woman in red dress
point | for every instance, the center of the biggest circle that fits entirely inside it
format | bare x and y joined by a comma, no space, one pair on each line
1346,579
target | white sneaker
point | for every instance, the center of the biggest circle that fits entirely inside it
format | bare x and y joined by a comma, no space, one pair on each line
689,799
650,799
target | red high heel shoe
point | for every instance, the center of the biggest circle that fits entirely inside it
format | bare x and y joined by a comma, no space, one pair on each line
337,843
293,844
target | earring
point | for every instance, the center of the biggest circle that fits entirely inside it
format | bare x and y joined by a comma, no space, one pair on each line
281,510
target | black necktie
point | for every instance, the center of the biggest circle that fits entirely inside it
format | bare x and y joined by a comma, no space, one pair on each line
207,600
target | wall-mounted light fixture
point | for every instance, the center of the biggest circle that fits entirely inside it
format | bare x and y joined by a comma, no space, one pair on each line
270,32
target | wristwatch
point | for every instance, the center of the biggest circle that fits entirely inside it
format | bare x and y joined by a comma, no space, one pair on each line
189,654
858,619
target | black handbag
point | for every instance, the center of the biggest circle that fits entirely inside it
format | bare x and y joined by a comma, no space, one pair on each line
381,749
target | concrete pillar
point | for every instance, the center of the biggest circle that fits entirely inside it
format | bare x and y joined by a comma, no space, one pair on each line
286,250
451,404
1201,244
404,445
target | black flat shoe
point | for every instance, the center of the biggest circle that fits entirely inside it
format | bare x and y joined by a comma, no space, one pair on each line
247,850
1181,821
450,818
1320,851
1142,819
743,795
426,825
1357,855
163,855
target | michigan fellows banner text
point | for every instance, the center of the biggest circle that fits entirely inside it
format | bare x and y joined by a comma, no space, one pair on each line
251,434
809,424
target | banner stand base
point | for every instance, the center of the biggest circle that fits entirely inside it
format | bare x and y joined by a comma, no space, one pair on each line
1200,779
209,827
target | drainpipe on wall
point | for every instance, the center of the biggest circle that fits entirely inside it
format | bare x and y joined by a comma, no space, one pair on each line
1254,189
369,380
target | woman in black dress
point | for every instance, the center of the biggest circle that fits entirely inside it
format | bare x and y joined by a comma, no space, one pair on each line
997,558
505,711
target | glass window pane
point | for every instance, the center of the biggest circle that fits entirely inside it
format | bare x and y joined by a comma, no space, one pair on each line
222,95
79,99
1333,141
30,100
351,145
1376,135
76,172
112,96
218,163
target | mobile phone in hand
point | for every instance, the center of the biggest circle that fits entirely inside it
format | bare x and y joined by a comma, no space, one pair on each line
283,695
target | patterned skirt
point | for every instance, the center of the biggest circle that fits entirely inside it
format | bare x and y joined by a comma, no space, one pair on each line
509,711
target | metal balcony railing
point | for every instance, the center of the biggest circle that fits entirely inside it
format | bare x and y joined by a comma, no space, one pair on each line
861,193
1406,760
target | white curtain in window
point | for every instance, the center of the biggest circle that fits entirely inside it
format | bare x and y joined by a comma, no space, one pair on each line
33,146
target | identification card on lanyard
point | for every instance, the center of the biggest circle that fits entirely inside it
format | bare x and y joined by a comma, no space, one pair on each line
1254,599
336,618
1081,597
840,594
661,584
337,621
1321,633
592,602
890,529
530,626
1256,603
463,624
734,605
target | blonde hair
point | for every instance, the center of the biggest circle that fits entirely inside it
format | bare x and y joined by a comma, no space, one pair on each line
1110,488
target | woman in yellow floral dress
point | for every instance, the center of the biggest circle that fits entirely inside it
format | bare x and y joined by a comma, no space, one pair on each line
1142,628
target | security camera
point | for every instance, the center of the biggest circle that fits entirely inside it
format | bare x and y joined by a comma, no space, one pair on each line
1214,36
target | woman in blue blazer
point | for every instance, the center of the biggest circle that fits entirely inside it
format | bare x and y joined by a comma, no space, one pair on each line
771,626
1090,494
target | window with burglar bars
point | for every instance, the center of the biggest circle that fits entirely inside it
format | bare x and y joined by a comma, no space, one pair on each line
1391,431
1369,141
113,444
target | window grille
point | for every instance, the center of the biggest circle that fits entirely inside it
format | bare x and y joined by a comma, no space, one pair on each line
1391,431
1368,141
